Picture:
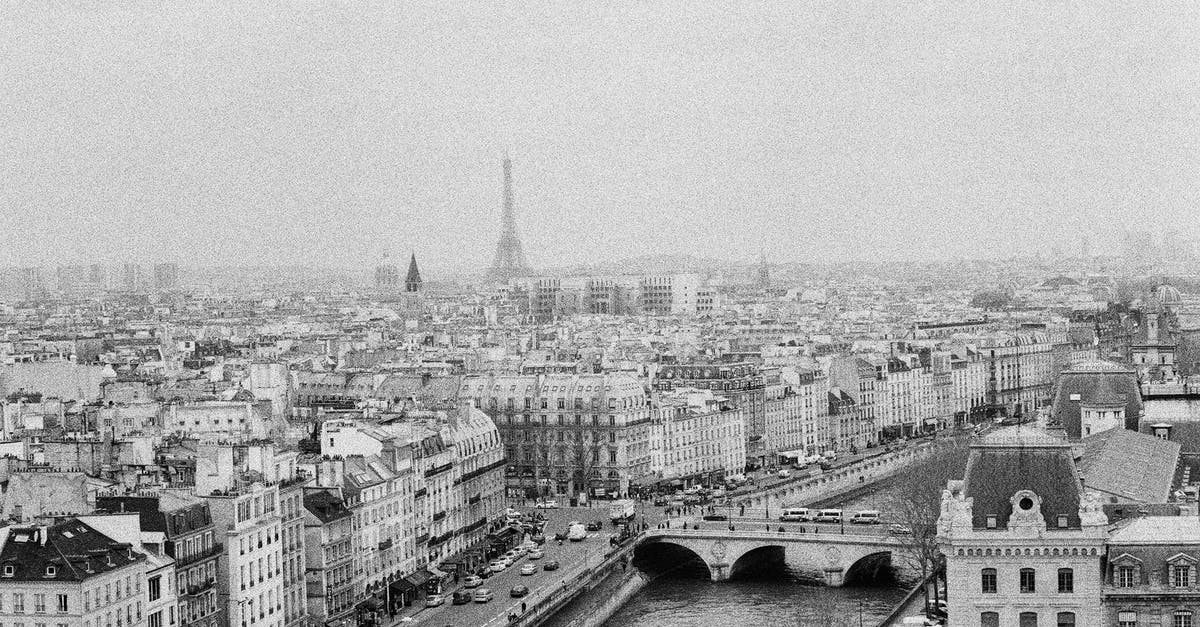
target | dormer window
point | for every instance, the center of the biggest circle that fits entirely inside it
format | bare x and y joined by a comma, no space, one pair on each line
51,571
9,571
1181,569
1062,521
991,522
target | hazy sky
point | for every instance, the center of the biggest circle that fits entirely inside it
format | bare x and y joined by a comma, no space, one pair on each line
329,132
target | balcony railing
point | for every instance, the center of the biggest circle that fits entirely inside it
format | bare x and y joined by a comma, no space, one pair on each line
215,549
201,587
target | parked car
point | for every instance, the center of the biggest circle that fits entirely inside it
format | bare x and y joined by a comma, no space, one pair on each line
482,595
518,592
899,529
528,569
865,517
497,566
536,554
784,474
595,526
551,565
796,514
461,597
538,538
434,600
547,504
716,517
660,501
829,516
472,581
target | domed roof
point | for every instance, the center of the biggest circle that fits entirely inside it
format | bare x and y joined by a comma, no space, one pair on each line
1167,295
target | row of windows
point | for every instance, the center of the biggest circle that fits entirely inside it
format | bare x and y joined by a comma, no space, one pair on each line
1027,580
1028,619
1181,618
62,605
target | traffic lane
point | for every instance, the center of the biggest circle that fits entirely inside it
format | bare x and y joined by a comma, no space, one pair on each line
567,555
750,524
557,519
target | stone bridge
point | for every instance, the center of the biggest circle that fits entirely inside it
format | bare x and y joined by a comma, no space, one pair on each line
838,557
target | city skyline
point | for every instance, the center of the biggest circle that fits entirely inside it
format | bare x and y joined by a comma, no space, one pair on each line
268,136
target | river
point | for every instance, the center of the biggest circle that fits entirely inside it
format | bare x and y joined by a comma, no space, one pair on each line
688,602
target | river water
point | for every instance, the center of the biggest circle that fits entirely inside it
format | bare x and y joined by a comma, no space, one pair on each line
695,602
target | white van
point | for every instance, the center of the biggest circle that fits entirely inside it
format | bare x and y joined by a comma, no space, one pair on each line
829,516
796,514
865,517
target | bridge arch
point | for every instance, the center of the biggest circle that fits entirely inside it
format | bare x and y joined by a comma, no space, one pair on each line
758,559
659,557
869,568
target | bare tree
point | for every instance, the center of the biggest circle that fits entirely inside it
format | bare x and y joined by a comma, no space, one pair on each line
824,606
915,501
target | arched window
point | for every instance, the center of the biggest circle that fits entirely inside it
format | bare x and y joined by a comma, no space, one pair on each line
989,619
1066,619
1028,619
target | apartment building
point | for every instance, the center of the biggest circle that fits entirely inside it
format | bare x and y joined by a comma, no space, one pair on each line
69,573
566,434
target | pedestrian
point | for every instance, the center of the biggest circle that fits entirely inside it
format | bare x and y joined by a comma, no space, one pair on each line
742,510
522,607
768,526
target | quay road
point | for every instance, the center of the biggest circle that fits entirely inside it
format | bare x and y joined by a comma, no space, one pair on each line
573,559
752,524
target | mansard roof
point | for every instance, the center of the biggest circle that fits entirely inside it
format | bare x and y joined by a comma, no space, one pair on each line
1013,459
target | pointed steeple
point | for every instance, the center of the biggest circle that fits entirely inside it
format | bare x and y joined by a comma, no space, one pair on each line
412,282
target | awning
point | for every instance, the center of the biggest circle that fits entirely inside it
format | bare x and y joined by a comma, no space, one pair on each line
437,574
402,585
419,578
503,533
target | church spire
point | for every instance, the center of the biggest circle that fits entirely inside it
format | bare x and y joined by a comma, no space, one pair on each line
412,282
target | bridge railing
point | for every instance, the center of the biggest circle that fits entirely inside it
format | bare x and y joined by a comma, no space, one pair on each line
789,535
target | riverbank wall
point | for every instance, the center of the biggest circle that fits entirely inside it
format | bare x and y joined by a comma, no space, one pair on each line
831,484
601,602
598,584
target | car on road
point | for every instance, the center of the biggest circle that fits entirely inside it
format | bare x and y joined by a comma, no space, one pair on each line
528,569
784,474
595,526
576,532
536,554
461,597
518,592
547,504
434,600
660,501
497,566
472,581
551,565
716,517
482,595
898,529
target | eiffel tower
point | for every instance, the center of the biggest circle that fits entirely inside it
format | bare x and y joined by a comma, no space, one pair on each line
510,257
